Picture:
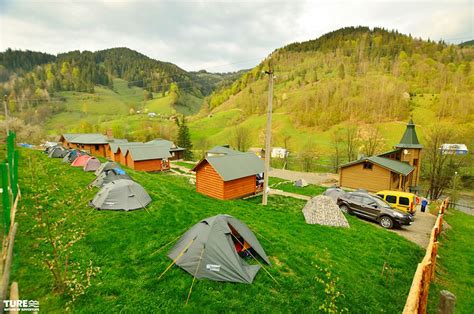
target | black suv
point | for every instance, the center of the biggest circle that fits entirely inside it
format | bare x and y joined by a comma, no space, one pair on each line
373,207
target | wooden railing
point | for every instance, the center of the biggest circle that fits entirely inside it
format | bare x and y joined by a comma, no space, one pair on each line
425,272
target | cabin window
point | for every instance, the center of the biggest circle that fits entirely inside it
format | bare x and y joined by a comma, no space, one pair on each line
392,199
96,147
368,165
404,201
415,162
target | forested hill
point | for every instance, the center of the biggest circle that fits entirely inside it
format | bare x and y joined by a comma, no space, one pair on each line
357,74
37,76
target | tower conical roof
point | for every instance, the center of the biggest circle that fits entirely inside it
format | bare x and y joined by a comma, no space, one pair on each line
409,139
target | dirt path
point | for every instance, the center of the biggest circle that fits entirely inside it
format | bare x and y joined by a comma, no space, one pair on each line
310,177
283,193
419,232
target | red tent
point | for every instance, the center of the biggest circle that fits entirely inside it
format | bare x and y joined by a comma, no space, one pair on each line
80,161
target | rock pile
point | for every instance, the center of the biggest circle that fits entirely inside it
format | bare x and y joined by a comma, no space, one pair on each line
322,210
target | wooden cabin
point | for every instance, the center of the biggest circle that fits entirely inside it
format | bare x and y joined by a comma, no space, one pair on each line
228,176
147,158
398,169
95,143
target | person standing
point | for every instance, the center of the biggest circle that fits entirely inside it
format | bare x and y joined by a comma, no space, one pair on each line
424,203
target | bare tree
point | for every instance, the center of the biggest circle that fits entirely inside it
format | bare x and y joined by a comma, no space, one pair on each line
336,156
241,138
307,156
372,141
441,168
351,142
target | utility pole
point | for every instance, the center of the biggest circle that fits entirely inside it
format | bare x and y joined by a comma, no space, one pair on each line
6,113
268,135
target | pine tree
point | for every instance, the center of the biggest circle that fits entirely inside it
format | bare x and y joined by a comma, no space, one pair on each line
184,138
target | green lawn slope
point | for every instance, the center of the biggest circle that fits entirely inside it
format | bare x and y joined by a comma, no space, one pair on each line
124,245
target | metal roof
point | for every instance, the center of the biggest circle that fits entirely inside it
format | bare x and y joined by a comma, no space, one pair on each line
409,138
86,138
222,150
234,166
148,152
391,164
124,146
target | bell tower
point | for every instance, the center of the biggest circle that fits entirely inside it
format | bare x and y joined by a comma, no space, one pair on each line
410,149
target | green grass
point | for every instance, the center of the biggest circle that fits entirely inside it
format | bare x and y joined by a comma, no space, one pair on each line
184,164
455,270
284,185
122,245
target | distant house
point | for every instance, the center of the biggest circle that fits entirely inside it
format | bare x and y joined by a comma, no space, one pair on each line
279,152
175,151
398,169
148,158
152,115
228,174
114,152
454,149
95,143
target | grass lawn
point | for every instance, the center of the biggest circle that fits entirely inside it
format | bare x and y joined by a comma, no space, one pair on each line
284,185
184,164
122,245
455,270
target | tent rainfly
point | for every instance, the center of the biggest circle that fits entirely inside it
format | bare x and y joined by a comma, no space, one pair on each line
210,250
106,166
322,210
80,161
109,176
71,155
121,195
57,152
92,164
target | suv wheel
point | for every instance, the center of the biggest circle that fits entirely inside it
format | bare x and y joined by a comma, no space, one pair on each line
345,209
386,222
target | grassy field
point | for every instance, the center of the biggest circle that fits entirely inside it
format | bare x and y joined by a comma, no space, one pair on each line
123,245
455,270
284,185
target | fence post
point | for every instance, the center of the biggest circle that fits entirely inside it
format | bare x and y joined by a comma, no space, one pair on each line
14,296
14,182
447,301
5,197
6,269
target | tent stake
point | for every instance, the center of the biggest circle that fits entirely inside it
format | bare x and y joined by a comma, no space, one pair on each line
261,265
194,277
177,258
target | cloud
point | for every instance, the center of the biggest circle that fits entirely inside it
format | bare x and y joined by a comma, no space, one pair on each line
214,34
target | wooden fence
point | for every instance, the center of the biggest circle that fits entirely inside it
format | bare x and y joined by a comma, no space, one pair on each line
425,272
10,198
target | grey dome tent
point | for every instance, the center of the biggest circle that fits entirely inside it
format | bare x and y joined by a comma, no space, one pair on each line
301,183
109,176
322,210
71,155
208,250
57,152
92,164
121,195
106,166
334,193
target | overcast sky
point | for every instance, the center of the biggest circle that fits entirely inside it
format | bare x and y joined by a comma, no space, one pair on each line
216,35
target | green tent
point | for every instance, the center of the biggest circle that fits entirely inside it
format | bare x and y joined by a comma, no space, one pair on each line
208,250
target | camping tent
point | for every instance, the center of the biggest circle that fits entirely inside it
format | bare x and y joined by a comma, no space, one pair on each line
322,210
121,195
57,152
71,155
92,164
106,166
109,176
334,193
208,250
301,183
80,161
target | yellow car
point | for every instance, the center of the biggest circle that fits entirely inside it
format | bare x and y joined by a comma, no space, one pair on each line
403,201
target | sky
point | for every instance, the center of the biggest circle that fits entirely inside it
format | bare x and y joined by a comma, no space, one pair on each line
218,36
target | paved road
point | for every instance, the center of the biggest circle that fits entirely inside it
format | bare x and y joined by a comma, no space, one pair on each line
419,232
310,177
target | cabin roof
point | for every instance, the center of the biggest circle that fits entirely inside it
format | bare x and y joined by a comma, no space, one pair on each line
148,152
234,166
390,164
